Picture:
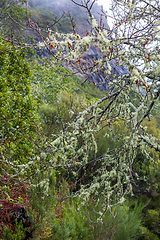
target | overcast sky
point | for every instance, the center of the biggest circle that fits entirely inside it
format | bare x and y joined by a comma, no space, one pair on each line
105,4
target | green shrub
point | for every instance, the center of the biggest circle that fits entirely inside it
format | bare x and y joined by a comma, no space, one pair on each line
121,222
17,107
9,234
56,215
150,218
146,234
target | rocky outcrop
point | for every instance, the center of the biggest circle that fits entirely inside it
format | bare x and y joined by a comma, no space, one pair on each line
44,53
100,78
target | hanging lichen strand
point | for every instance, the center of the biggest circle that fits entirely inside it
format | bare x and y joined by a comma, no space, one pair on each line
133,43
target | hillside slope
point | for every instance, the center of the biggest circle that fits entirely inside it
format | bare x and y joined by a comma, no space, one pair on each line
44,12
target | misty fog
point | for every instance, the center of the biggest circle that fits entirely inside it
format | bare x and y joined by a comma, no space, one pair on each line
58,7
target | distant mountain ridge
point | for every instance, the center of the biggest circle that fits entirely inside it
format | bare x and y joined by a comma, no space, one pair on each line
100,79
44,11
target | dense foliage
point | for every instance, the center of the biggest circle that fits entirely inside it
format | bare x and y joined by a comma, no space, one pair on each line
17,107
10,13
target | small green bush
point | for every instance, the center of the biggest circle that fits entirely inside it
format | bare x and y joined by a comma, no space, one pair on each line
9,234
122,222
56,215
146,234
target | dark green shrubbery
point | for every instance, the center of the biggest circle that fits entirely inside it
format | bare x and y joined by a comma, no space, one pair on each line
17,107
56,215
9,234
121,222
